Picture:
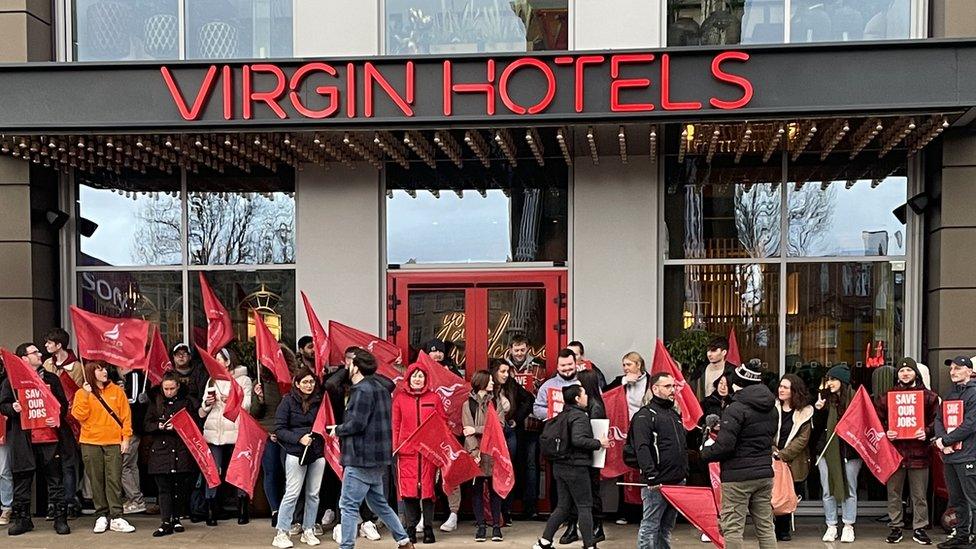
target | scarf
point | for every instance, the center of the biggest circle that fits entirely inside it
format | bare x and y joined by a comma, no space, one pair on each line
835,466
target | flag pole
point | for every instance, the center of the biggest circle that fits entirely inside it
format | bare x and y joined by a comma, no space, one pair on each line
822,452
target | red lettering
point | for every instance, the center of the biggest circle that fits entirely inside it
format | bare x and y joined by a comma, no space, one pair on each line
626,83
332,92
270,98
733,79
666,102
372,74
350,90
543,104
451,88
202,94
581,63
228,80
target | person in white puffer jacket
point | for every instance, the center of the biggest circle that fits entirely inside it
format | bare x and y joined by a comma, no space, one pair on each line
221,433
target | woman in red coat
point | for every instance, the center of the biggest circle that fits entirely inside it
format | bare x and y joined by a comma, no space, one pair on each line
415,474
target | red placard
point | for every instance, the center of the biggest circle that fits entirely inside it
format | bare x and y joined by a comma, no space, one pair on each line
554,402
526,380
906,413
3,430
952,414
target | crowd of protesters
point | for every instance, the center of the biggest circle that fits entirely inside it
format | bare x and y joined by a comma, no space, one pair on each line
89,460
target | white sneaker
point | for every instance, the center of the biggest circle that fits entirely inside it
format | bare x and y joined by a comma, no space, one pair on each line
308,538
132,507
100,525
621,521
450,524
121,525
831,534
328,517
295,529
705,539
337,534
5,516
847,535
420,526
368,531
281,540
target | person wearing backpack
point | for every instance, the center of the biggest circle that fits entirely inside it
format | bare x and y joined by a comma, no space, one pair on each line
657,439
567,442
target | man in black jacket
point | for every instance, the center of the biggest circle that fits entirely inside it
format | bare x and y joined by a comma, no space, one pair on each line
744,449
957,441
658,438
32,450
572,473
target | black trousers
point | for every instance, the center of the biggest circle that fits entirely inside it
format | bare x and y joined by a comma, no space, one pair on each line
477,502
411,513
48,463
174,495
961,482
573,485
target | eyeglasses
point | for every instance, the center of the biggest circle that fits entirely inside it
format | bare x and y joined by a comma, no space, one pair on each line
307,382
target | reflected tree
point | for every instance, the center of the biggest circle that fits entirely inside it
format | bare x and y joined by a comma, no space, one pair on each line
238,228
757,219
157,235
810,218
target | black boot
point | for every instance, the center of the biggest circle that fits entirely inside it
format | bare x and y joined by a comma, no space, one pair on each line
243,510
428,533
20,521
598,533
211,512
570,535
61,520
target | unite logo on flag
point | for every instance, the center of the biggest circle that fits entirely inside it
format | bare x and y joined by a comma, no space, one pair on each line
616,436
449,454
112,334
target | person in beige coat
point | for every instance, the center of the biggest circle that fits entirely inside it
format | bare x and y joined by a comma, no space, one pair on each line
792,438
473,419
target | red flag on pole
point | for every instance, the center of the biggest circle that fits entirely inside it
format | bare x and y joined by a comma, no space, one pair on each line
452,388
185,427
245,462
436,442
159,361
269,353
324,418
733,354
319,338
861,428
493,444
615,401
698,506
219,329
385,352
235,396
118,341
691,410
38,404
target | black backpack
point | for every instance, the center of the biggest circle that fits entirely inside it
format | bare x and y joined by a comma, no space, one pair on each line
554,442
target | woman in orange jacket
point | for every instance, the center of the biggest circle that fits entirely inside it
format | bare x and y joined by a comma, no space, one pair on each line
102,409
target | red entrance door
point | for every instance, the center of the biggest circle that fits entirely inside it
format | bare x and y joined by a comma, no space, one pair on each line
476,312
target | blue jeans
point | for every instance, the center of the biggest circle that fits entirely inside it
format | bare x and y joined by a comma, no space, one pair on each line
849,506
365,483
6,478
273,466
295,476
658,521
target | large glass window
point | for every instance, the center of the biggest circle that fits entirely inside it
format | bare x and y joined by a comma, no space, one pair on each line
720,22
229,29
116,30
156,296
844,20
463,26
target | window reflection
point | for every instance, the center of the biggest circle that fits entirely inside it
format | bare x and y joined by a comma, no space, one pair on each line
241,219
109,30
156,296
719,22
844,20
228,29
461,26
135,221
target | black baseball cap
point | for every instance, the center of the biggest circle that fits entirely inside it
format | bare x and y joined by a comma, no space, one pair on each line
960,361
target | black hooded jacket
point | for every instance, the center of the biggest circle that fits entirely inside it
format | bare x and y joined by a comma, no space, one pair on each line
745,440
658,438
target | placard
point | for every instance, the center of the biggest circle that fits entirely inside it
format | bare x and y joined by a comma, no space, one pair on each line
952,415
526,380
906,413
601,428
554,402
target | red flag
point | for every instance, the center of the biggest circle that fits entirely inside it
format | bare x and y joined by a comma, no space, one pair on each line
452,388
118,341
698,506
615,401
185,427
323,419
159,361
691,410
493,444
38,404
219,329
861,428
385,352
235,396
319,338
715,479
245,462
269,353
733,354
435,442
3,429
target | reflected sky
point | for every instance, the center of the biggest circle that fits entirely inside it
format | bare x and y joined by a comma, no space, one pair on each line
117,217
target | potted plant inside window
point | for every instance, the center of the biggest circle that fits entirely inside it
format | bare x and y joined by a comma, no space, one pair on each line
503,25
455,31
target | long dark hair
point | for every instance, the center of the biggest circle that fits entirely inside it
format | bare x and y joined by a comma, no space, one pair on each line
591,382
306,400
840,399
510,387
799,398
479,380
